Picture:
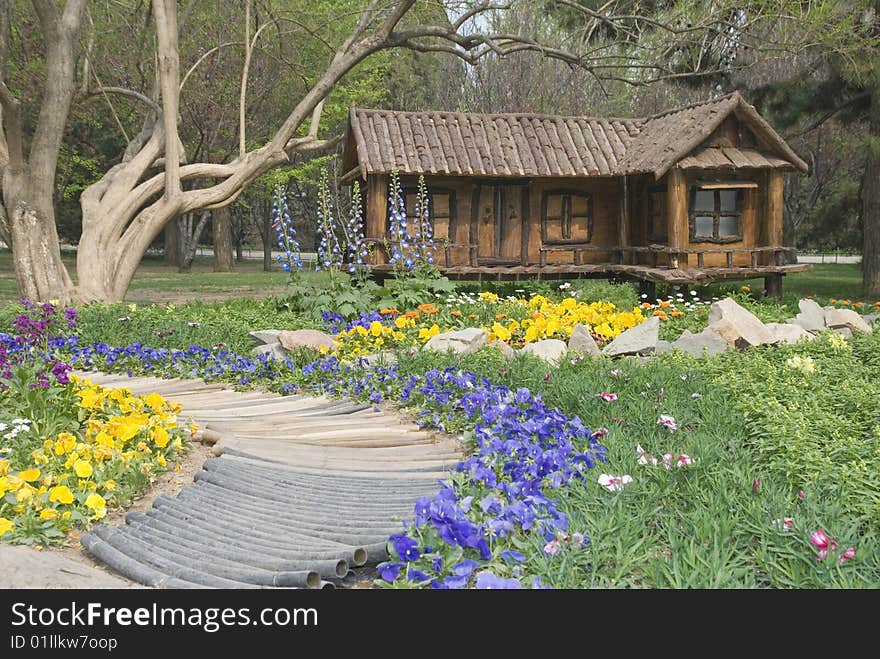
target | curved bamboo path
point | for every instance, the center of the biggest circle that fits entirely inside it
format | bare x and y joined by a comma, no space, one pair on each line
302,490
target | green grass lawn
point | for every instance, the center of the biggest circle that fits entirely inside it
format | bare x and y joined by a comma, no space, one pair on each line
156,282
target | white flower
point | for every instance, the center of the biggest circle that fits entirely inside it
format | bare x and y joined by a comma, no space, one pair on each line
644,456
643,295
614,483
668,421
3,427
564,286
695,395
693,294
551,548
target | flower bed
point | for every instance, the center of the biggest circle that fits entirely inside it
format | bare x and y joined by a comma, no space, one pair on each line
70,449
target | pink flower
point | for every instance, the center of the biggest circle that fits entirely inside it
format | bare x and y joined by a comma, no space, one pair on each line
599,433
614,483
849,553
684,460
616,419
607,396
644,456
551,548
616,372
668,421
667,461
819,539
801,495
578,539
788,523
756,484
547,377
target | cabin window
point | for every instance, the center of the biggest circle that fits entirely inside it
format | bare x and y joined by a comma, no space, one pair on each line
716,214
441,206
566,217
657,224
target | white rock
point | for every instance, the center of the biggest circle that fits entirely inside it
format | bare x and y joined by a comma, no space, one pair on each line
738,327
786,333
306,338
582,341
550,350
707,342
835,318
639,340
462,341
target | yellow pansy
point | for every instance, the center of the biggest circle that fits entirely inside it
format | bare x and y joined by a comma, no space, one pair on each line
427,332
161,461
48,513
4,467
155,401
95,501
160,436
25,492
61,494
5,526
83,468
109,485
29,475
4,486
65,443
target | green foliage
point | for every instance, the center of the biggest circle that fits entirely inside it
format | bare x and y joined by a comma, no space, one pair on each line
338,293
406,289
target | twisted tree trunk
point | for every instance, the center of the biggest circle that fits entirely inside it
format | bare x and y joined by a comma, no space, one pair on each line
221,229
870,195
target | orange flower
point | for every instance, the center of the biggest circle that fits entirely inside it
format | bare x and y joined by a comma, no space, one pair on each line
660,314
858,305
675,313
456,313
411,314
428,308
500,316
389,312
745,288
845,303
472,315
665,303
537,315
646,305
833,300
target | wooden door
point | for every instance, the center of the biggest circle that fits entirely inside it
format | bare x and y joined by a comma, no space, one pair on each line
498,224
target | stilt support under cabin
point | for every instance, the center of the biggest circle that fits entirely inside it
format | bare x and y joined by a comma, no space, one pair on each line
773,286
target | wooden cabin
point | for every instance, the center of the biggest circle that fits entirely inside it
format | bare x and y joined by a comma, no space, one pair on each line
688,196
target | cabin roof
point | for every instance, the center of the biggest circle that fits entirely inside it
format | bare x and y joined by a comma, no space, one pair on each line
533,145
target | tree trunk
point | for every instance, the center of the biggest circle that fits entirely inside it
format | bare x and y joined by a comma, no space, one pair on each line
870,194
36,253
172,244
266,235
221,227
192,240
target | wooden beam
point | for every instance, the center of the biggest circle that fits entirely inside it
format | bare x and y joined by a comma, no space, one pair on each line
773,286
623,230
377,215
771,227
676,213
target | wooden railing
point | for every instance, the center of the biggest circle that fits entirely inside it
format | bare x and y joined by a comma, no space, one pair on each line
443,245
777,253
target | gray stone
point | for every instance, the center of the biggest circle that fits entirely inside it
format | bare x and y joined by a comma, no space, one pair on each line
306,338
462,341
737,326
550,350
264,337
664,346
872,318
708,342
505,348
835,318
271,349
811,317
639,340
845,332
582,341
785,333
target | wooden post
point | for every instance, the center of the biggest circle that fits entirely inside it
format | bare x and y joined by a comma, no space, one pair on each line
648,288
773,205
623,239
773,286
377,215
676,214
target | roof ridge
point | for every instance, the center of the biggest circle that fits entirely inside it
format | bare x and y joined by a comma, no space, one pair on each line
734,94
525,115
